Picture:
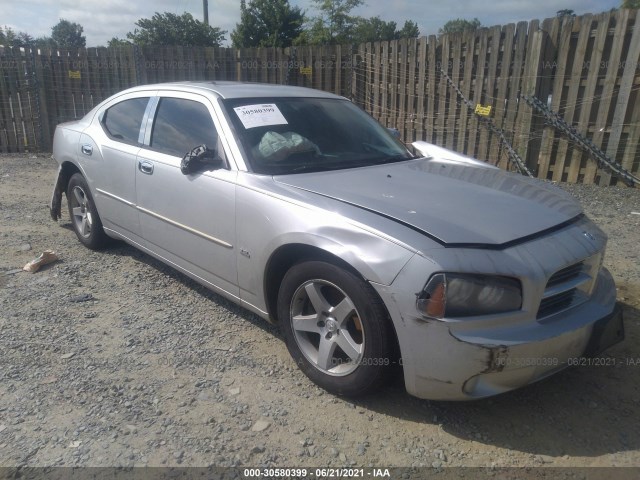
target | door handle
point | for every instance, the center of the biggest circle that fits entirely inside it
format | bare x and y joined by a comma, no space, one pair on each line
145,167
86,149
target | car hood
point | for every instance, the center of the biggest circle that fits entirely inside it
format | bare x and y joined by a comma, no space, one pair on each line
454,204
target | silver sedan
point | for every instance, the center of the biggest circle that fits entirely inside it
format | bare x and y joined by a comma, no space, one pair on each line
300,207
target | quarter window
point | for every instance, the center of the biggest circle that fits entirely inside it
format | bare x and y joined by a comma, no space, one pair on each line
181,125
122,121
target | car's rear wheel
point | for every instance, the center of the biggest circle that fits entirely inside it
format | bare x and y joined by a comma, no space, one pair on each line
335,327
84,216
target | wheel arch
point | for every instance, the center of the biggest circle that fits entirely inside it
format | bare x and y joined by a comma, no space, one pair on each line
67,170
288,255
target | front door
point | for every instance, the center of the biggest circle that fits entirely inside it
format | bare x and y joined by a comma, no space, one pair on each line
187,219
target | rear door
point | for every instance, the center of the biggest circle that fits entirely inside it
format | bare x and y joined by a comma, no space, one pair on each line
187,219
112,160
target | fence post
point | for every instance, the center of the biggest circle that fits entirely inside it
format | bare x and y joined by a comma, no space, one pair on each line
41,104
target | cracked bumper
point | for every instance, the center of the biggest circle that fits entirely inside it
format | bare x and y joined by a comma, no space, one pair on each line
470,360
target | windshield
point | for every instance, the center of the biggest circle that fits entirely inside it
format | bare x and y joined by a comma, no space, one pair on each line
288,135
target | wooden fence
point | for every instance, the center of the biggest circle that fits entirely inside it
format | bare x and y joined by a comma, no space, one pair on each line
586,68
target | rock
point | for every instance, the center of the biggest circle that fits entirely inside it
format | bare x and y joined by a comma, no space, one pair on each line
178,455
25,247
258,449
234,391
342,457
360,449
85,297
67,356
260,426
132,429
333,452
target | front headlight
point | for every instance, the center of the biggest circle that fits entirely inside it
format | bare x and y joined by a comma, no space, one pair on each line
451,295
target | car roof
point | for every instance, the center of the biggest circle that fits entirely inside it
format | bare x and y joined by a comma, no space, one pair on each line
228,89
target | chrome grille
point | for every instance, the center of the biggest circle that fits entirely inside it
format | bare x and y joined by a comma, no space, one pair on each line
566,274
556,303
568,287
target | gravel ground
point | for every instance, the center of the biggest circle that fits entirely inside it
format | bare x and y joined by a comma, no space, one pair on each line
113,359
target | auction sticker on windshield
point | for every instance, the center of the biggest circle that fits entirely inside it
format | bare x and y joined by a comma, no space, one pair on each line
260,115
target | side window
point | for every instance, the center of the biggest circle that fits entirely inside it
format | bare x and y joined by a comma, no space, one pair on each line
180,125
122,121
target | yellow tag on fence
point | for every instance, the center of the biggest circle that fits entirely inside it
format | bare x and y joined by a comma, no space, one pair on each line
75,74
484,111
306,71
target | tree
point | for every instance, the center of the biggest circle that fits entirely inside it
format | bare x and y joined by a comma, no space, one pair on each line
66,34
267,23
171,29
630,4
335,24
565,12
373,30
9,38
118,42
409,30
459,25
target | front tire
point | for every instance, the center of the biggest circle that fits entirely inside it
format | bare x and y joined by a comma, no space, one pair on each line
84,216
335,327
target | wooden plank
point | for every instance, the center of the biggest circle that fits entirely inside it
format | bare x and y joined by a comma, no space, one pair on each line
393,86
503,72
433,75
581,25
422,72
30,104
515,79
410,107
621,18
443,92
632,147
469,55
375,60
94,79
592,74
384,84
528,87
43,78
490,93
622,101
327,65
8,139
402,87
474,124
564,47
550,52
454,101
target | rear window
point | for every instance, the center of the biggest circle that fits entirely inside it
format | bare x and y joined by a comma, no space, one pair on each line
122,121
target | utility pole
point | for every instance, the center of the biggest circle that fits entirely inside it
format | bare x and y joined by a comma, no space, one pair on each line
205,8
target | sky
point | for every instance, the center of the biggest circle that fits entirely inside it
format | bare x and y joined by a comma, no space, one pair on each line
105,19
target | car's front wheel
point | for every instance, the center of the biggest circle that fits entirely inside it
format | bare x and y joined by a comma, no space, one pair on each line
84,216
335,327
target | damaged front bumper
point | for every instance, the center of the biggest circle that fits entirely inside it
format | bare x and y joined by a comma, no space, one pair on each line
469,360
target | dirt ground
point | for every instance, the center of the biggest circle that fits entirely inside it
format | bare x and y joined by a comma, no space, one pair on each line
112,359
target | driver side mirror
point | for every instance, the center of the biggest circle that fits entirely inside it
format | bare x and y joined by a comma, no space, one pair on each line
199,159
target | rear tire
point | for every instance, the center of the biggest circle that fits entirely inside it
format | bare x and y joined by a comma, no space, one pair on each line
336,328
84,216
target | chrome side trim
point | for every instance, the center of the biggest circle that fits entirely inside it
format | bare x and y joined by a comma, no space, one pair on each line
184,227
115,197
